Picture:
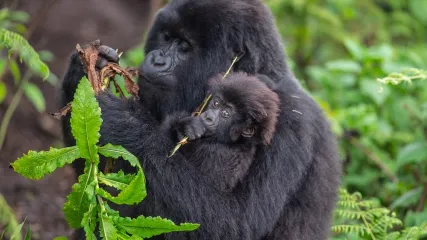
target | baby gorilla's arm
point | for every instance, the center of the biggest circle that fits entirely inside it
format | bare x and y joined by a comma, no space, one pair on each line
181,125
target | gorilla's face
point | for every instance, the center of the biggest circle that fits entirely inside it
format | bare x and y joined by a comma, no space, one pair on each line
167,49
184,41
193,40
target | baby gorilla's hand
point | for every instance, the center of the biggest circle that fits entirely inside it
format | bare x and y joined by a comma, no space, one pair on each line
192,127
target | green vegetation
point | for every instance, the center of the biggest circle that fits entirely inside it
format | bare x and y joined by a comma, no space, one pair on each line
86,206
351,56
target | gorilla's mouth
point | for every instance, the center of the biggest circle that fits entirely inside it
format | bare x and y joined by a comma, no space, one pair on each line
162,81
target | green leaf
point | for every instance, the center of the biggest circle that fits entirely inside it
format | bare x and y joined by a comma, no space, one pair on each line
16,73
344,66
28,234
36,165
113,151
15,42
33,93
60,238
147,227
355,49
19,16
106,227
16,235
413,153
370,88
133,193
118,180
86,120
3,233
407,199
3,91
89,220
2,64
419,9
80,199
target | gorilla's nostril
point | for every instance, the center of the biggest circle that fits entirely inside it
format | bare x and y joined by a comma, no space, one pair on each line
159,61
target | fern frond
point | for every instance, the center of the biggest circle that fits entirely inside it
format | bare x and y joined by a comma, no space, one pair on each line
7,218
16,43
359,230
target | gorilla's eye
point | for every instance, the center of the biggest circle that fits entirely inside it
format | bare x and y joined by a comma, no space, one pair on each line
166,36
184,46
216,103
225,113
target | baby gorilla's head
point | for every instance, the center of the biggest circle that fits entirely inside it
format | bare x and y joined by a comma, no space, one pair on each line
242,107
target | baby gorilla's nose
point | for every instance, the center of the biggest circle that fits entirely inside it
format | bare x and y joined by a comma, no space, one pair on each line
209,117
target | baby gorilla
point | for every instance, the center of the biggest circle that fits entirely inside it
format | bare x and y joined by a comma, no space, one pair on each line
241,116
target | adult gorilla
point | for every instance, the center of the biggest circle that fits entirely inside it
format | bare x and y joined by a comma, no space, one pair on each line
290,189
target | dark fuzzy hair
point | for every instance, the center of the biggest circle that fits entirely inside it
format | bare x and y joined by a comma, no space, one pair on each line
253,98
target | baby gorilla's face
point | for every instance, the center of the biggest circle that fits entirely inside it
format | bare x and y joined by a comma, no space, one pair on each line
224,120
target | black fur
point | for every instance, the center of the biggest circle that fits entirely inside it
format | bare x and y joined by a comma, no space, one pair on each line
218,150
290,188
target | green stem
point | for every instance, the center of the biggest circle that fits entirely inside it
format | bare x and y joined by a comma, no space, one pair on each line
12,107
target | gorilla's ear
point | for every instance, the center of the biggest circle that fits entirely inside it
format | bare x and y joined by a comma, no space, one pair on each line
248,131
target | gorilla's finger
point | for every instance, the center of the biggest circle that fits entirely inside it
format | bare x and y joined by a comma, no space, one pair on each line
108,53
101,62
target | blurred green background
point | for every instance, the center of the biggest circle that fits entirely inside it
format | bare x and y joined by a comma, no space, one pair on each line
337,49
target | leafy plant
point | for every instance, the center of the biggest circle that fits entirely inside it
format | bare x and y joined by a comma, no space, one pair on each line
8,220
17,45
365,219
86,206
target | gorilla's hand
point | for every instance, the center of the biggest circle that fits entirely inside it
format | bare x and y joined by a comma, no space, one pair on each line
192,127
76,70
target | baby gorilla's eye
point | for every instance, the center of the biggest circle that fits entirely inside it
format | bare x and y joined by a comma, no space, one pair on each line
225,113
216,103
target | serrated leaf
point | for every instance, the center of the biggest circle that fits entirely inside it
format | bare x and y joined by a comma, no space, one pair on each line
89,220
36,165
147,227
106,228
3,91
15,42
133,193
33,93
113,151
80,199
86,120
118,180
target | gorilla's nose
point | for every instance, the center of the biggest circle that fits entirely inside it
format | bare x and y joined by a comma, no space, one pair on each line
158,59
156,63
209,117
